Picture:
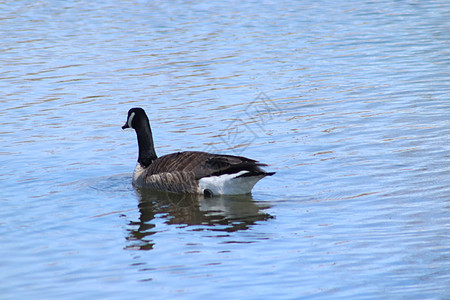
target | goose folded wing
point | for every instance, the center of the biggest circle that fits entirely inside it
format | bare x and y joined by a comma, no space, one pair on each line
203,164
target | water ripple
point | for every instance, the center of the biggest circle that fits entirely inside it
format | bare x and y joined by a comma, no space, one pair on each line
346,102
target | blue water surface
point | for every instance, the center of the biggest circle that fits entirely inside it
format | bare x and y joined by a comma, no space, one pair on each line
347,101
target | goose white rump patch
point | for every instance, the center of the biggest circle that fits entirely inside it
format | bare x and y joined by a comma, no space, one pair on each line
229,184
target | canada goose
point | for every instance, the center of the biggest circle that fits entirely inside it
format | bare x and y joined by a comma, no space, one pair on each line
190,171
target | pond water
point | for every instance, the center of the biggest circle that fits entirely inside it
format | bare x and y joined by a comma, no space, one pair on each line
348,101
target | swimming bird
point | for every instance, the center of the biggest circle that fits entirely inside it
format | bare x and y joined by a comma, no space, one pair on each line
192,172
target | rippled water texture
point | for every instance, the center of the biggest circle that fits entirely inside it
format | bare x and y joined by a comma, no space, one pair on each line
348,101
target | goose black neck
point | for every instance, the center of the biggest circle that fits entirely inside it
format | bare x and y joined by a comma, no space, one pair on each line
147,152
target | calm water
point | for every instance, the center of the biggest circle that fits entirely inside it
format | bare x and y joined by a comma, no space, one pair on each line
348,102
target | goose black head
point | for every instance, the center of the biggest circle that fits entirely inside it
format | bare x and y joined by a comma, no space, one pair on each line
136,116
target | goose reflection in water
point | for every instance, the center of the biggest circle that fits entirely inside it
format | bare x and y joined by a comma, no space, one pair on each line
225,213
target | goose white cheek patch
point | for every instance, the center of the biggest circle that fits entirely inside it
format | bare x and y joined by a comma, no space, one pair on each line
130,119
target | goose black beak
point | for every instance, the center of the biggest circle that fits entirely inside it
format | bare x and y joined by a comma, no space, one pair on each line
125,126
